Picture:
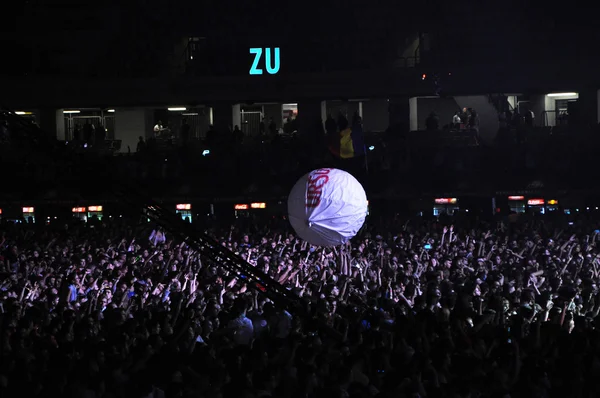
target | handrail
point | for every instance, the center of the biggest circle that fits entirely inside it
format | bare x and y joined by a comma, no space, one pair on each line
546,120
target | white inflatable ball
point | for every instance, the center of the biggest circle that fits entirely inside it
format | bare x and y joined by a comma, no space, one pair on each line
327,207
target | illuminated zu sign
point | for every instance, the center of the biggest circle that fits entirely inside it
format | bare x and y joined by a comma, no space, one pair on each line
272,60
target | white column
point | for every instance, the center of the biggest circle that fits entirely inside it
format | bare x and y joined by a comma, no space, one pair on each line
60,125
130,125
236,115
414,114
550,108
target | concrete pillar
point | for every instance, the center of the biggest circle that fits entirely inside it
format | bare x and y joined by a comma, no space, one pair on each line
130,125
52,121
375,115
274,111
549,110
205,122
226,116
586,110
400,111
311,118
236,115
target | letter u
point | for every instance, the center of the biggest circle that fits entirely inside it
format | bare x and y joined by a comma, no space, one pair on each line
272,69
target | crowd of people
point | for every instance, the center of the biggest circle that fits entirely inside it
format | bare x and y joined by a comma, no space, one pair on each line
418,308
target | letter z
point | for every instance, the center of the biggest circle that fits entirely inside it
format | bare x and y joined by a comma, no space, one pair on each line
254,70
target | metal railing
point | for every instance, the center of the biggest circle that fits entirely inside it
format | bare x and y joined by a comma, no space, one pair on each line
552,118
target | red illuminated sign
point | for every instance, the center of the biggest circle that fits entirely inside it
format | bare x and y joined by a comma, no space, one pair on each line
317,179
535,202
240,207
185,206
516,198
78,210
445,201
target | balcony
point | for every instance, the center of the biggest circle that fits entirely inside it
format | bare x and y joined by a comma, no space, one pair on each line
397,162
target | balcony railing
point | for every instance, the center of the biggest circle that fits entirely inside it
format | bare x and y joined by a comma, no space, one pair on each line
566,161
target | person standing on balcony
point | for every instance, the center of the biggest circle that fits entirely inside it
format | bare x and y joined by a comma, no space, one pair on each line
502,120
262,127
185,132
99,135
456,120
356,119
158,129
238,135
473,120
432,122
272,128
141,145
464,118
529,117
88,132
517,118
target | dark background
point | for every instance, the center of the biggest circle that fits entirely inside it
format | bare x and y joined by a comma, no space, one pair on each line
140,38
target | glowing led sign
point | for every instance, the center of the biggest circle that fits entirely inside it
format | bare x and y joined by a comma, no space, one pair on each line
260,205
445,201
272,60
240,207
184,206
535,202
